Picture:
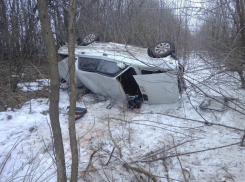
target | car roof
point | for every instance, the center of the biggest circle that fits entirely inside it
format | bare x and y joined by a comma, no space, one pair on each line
128,54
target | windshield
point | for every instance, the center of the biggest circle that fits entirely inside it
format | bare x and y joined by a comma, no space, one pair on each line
88,64
108,67
101,66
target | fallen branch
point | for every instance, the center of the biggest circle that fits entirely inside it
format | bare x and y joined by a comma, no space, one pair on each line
110,156
149,125
177,155
114,142
242,142
204,122
166,169
230,176
187,153
140,170
89,164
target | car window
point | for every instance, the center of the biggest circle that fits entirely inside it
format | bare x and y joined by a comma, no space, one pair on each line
108,67
146,72
87,64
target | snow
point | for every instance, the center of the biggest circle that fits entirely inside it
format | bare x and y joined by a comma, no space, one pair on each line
34,86
147,137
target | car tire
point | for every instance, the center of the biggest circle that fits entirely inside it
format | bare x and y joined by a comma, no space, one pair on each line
149,52
163,49
89,39
79,41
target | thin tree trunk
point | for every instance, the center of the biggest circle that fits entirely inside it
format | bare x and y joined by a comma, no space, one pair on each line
71,57
242,78
241,12
65,14
54,89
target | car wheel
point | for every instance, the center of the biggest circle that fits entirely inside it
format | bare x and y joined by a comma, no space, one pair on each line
79,41
90,39
149,52
163,49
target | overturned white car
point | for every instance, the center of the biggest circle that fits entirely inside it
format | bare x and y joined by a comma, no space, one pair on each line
121,71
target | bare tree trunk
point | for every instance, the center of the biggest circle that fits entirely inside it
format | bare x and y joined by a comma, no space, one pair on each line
241,78
54,89
65,14
71,57
241,6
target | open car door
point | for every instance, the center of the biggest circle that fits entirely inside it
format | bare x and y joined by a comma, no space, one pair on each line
161,88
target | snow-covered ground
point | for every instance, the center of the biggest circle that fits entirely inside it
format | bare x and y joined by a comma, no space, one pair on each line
157,138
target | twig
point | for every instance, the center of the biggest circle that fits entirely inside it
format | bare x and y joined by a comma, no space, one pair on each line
243,140
52,139
140,170
53,159
119,149
63,5
38,71
81,7
195,120
79,138
150,125
9,153
89,164
166,169
10,179
37,169
230,176
177,155
105,174
193,152
110,156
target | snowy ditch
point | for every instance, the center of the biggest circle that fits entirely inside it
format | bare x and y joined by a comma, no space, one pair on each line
166,141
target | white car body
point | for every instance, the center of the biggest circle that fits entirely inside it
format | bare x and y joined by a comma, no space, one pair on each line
156,80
